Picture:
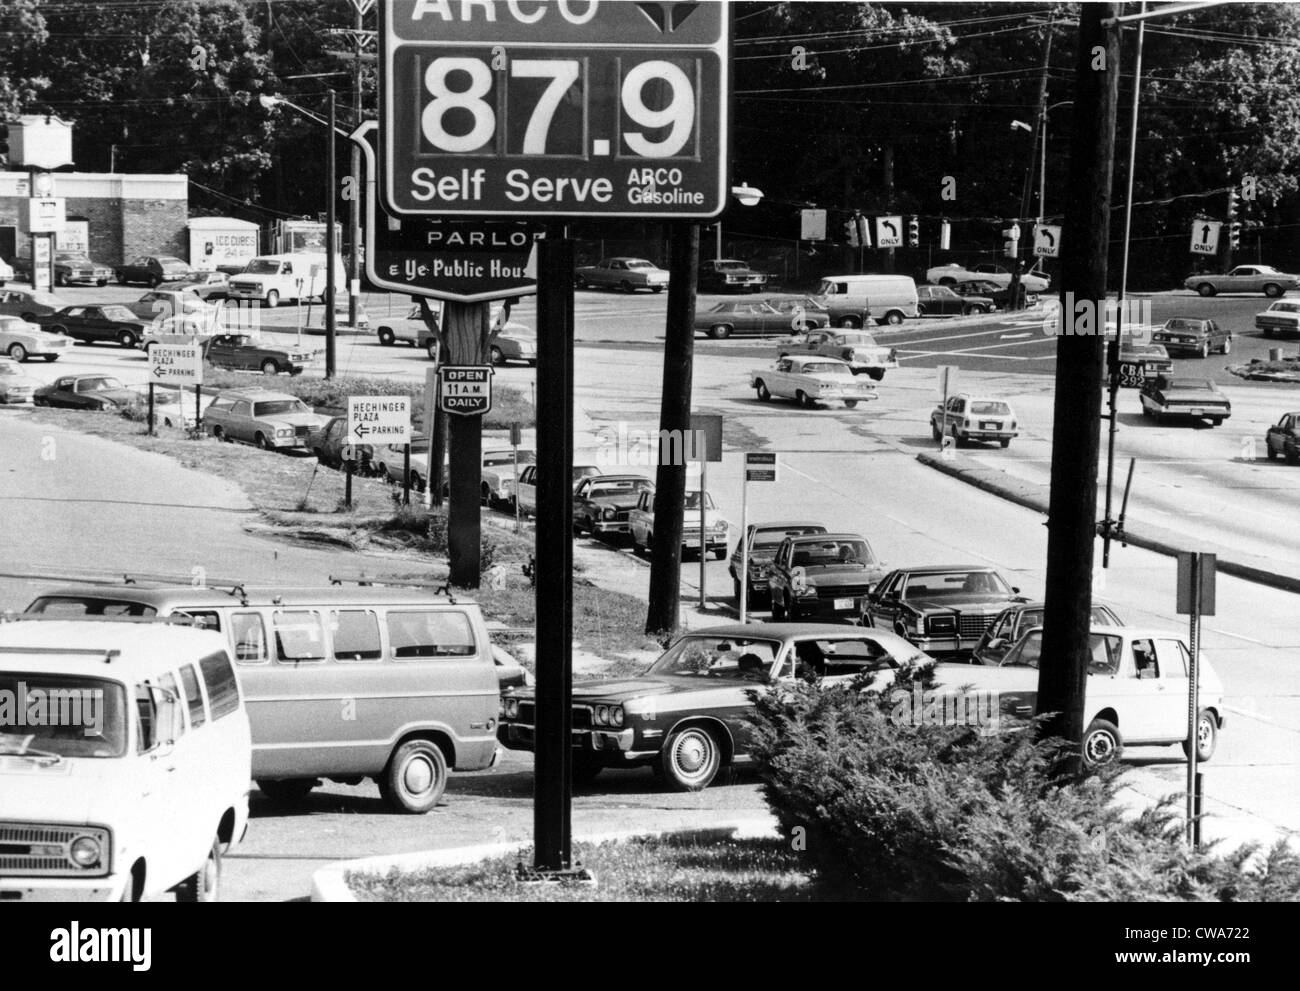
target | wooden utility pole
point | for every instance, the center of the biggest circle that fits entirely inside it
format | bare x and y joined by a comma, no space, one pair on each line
1072,523
674,421
1039,134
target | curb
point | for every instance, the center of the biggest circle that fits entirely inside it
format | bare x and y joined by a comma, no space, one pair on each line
1028,495
328,884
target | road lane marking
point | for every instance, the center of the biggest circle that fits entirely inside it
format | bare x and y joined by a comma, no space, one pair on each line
1012,337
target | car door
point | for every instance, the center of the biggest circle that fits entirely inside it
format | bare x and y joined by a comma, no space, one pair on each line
98,326
882,606
1276,434
63,394
1172,660
782,376
1136,692
239,421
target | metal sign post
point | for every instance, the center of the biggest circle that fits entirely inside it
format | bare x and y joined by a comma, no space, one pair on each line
516,438
706,446
1196,595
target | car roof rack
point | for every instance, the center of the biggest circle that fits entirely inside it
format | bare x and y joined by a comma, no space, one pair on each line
443,588
108,654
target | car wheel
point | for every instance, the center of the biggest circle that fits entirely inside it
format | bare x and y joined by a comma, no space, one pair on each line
579,282
1005,442
956,437
154,282
1293,456
1268,331
764,394
1227,345
719,554
269,367
893,318
121,279
272,300
1207,736
126,339
432,350
101,283
804,400
386,337
1102,744
850,404
719,331
50,357
415,777
218,434
1272,290
851,323
977,309
204,885
1205,289
1216,421
1268,450
496,356
627,286
1205,350
286,791
691,758
778,607
920,309
263,442
61,280
417,483
18,352
934,431
656,289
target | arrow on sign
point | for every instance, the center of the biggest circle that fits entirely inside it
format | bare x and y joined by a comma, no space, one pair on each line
893,231
1047,236
1205,234
361,430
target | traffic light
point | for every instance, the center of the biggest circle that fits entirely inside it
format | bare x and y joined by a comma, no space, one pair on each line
914,232
1234,224
851,232
945,236
1011,246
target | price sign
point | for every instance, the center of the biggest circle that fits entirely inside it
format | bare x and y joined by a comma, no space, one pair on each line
609,109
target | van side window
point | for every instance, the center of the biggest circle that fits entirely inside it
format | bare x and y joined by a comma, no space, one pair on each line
356,635
219,678
146,719
204,619
168,684
430,633
298,636
248,632
193,696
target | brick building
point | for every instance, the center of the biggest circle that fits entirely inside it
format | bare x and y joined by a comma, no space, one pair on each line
127,215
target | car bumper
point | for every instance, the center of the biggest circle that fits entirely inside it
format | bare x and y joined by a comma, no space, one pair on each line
1180,347
1284,328
61,889
610,526
938,645
17,396
829,604
871,366
971,434
1196,413
839,395
711,541
522,736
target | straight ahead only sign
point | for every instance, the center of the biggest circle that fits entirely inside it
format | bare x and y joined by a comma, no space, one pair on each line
1205,237
379,419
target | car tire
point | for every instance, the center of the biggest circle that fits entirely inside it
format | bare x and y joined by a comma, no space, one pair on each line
1205,289
764,394
803,400
876,374
269,367
272,300
579,282
286,791
719,553
1227,346
850,404
61,281
1207,737
417,483
656,289
691,758
719,332
1205,350
50,357
1293,456
1101,744
893,318
17,352
121,279
976,310
204,885
935,432
1216,421
496,356
850,323
627,287
154,282
1268,450
432,350
1272,290
735,592
219,435
386,337
1005,442
126,339
263,441
415,777
957,438
101,283
1268,331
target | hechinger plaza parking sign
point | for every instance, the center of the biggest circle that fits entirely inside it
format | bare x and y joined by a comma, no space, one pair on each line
379,419
592,108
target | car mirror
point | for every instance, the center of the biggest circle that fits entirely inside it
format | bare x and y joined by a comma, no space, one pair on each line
1016,590
997,643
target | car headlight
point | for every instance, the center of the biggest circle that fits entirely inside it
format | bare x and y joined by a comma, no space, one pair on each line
942,624
616,715
512,708
609,513
600,715
720,526
283,432
759,570
85,851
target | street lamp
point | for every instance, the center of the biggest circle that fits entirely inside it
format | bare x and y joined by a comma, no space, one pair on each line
746,195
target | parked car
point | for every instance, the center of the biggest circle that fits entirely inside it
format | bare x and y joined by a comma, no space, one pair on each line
1282,317
968,417
21,340
162,304
1184,399
824,574
514,342
688,715
628,274
1135,692
803,313
641,524
1244,278
1283,439
499,475
390,463
272,279
1016,620
811,380
29,303
178,330
1153,358
951,274
334,449
240,352
1195,337
205,285
409,329
943,609
1001,295
15,385
108,323
176,408
940,301
70,268
857,348
272,420
152,270
88,392
763,539
729,275
526,487
603,503
852,300
722,320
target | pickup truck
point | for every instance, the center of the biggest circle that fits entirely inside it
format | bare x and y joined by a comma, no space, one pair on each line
641,524
1244,278
1281,317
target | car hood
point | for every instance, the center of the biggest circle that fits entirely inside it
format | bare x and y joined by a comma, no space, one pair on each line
121,397
25,381
623,690
691,518
964,602
83,790
315,420
978,676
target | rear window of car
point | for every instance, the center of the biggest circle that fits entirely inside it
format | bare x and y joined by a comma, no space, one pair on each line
55,605
990,409
417,633
223,689
193,697
280,407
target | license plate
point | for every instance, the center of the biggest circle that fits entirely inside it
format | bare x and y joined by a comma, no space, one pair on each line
990,426
1196,412
842,604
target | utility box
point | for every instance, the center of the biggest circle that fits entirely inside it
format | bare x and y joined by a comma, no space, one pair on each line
40,142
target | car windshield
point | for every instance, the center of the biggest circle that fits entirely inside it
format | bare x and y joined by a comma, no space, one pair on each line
1196,385
729,265
826,368
835,553
857,340
722,308
71,259
1185,325
613,490
169,260
990,409
940,583
715,657
100,384
262,266
499,459
64,715
279,407
116,313
693,500
45,299
774,538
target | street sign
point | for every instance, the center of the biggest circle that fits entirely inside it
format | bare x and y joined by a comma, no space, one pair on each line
1187,601
379,419
1205,237
175,364
468,261
465,390
707,428
812,226
577,109
889,232
42,257
46,215
1132,374
761,466
1047,241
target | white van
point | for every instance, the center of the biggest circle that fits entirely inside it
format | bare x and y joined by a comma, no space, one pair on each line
125,760
852,299
275,278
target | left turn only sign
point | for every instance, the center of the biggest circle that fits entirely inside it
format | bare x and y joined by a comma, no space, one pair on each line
379,419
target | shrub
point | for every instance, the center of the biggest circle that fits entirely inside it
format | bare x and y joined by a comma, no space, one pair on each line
902,812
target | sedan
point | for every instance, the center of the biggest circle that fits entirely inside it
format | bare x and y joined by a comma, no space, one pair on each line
758,317
628,274
334,449
1195,337
110,323
856,347
811,380
70,268
152,270
1185,399
21,340
943,609
1001,295
514,342
87,392
804,312
239,352
29,303
940,301
1017,619
947,275
729,274
1283,439
602,504
205,285
15,386
1244,278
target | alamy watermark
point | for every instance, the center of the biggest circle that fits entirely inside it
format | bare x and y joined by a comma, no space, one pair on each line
627,446
23,708
932,707
1084,318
